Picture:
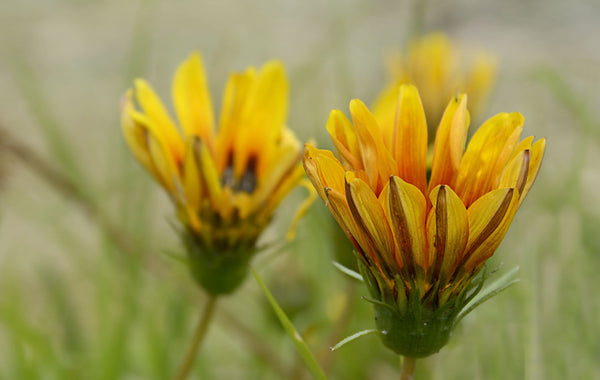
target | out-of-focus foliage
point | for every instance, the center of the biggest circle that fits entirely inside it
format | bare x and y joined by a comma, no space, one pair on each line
94,292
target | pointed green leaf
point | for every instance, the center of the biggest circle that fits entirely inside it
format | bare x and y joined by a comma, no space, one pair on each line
491,290
354,337
347,271
307,356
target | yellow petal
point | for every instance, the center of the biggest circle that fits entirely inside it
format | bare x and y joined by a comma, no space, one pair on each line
135,133
281,169
337,204
166,167
537,154
450,142
344,138
233,110
191,99
384,110
312,170
153,108
410,138
489,219
263,119
192,184
515,173
487,154
370,217
405,210
448,232
377,160
211,181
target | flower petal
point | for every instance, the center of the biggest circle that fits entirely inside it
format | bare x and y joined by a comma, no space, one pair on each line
377,160
450,142
405,210
489,219
410,138
344,138
447,231
192,184
191,99
263,121
135,133
323,170
233,110
487,154
164,128
370,217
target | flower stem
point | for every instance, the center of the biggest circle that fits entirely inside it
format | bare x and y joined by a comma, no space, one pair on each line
408,369
201,328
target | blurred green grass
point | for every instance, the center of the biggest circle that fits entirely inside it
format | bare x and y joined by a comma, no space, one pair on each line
76,303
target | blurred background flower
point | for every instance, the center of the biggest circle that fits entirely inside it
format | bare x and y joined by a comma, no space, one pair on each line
440,70
75,303
225,185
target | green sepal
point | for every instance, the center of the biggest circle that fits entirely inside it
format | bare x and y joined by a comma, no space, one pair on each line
354,337
495,288
347,271
218,272
418,325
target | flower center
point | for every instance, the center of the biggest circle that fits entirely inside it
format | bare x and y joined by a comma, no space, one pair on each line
246,182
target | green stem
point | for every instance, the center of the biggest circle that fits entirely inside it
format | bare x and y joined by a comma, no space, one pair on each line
408,369
201,328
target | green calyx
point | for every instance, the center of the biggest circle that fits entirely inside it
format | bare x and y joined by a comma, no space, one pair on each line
417,326
415,333
218,270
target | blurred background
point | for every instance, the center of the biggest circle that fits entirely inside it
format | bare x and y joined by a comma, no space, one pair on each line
89,287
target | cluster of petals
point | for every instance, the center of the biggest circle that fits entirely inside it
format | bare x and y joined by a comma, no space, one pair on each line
227,182
438,222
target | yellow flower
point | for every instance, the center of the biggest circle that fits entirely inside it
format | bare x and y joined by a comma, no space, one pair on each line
433,64
421,241
226,185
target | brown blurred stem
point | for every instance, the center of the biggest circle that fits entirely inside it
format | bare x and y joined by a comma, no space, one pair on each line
408,368
66,187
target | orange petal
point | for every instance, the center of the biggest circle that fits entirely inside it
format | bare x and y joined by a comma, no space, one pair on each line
191,99
487,154
448,232
450,142
489,219
377,160
537,154
384,110
370,217
337,204
410,138
320,178
405,209
344,138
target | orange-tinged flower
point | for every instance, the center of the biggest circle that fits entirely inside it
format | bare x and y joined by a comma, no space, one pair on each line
440,70
421,241
226,185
